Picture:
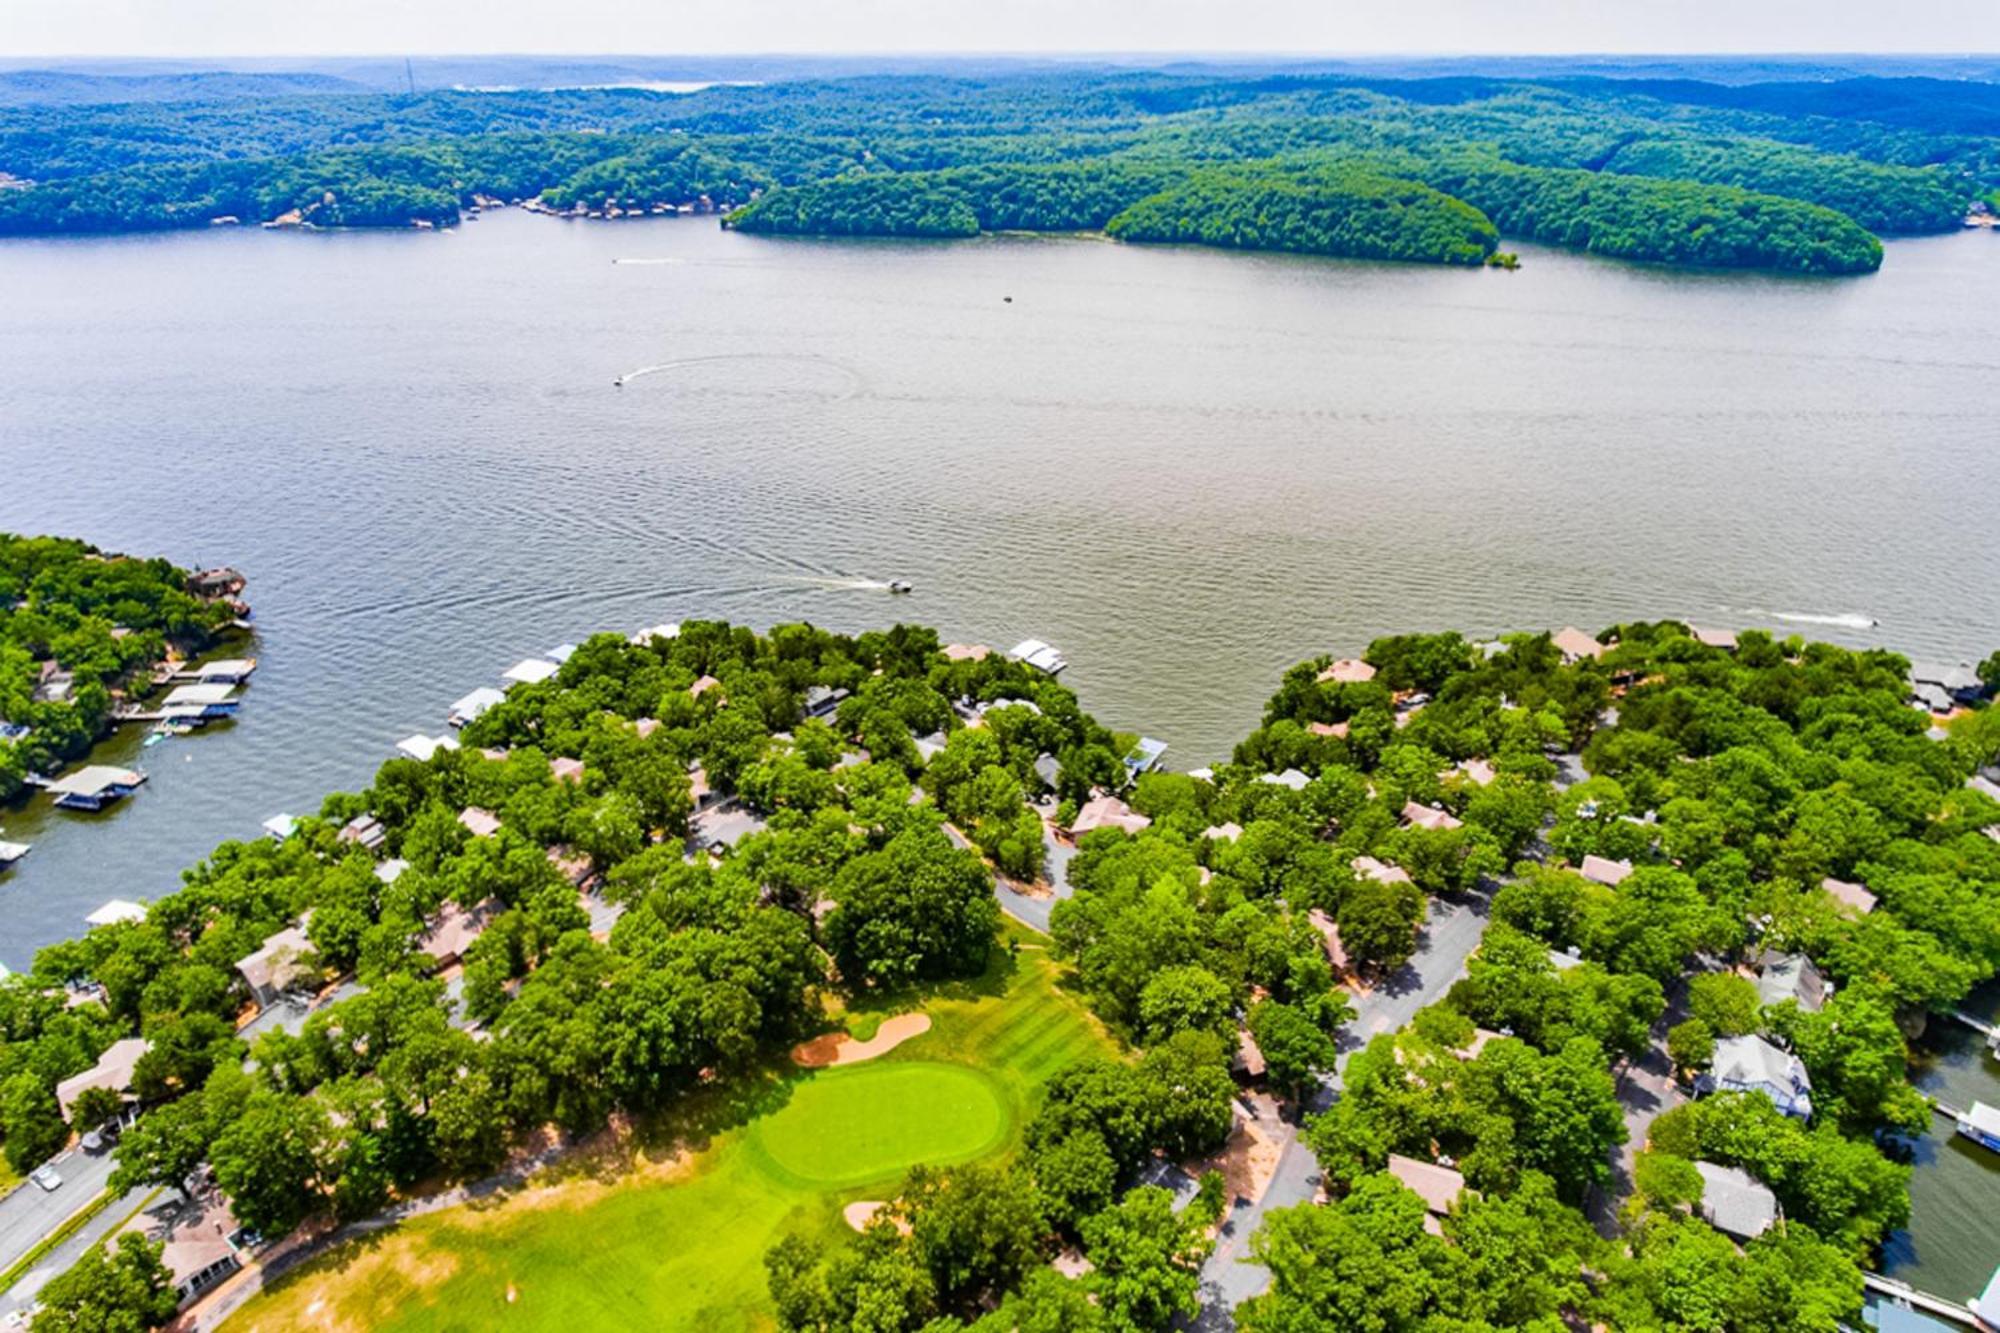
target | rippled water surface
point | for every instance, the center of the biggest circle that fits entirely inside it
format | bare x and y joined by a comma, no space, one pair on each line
1187,469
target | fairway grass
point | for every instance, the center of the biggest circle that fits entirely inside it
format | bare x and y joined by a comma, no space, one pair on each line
661,1240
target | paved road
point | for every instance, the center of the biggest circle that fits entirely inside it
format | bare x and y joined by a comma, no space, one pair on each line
1230,1276
28,1288
30,1212
1646,1091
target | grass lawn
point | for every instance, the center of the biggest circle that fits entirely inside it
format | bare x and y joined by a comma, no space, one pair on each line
661,1240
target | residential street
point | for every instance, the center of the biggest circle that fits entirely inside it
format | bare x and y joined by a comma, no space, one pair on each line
30,1212
28,1288
1230,1277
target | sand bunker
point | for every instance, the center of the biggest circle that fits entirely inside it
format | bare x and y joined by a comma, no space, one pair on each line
837,1048
861,1212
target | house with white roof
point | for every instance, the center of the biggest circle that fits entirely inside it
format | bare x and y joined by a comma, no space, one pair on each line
1752,1064
472,705
1736,1203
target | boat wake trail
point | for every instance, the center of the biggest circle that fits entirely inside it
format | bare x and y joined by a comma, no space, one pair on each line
1848,621
649,261
854,382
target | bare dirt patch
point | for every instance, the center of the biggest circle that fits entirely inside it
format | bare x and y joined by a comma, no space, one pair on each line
837,1048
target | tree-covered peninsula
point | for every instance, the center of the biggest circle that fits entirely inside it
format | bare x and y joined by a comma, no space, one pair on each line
76,627
646,890
1429,170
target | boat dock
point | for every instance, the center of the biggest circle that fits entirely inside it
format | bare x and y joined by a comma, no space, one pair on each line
1903,1294
1983,1028
1981,1124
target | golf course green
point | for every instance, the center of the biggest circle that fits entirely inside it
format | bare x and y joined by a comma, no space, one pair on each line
672,1236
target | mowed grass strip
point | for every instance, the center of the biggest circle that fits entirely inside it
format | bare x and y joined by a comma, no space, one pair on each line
681,1246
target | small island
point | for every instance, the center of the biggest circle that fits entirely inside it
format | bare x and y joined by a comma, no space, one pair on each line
83,635
893,990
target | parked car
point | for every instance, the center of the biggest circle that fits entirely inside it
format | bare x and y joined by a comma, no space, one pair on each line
47,1177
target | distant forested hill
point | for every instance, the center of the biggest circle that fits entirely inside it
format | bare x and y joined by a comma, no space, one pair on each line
1793,176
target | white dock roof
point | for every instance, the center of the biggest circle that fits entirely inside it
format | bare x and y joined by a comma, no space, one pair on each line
115,911
1039,655
667,630
200,695
421,748
475,703
530,671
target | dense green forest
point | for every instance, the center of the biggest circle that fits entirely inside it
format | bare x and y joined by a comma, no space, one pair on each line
74,624
1656,172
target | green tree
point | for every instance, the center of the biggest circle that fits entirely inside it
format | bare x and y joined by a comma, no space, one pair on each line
121,1288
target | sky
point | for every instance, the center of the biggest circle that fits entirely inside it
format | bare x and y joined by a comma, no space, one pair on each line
182,28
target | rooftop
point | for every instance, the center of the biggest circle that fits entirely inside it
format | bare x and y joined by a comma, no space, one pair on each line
1735,1202
1853,897
199,696
1107,812
1575,645
421,748
1348,671
1438,1186
95,780
479,823
1039,655
451,932
113,1070
1603,870
670,629
1335,729
115,911
530,671
1429,816
475,703
1291,778
1790,976
1379,871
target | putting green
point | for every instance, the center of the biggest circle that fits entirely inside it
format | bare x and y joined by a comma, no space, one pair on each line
868,1122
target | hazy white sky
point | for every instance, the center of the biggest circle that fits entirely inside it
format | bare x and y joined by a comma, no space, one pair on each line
1306,27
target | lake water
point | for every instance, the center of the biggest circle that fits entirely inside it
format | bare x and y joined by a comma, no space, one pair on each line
1187,469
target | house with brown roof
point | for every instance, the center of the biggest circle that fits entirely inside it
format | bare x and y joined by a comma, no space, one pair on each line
279,963
1575,645
451,931
1602,870
113,1070
1347,671
1335,730
1429,816
1106,812
1852,899
479,823
1438,1186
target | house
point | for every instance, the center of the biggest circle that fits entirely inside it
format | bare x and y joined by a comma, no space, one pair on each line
1734,1202
1956,685
1337,730
1329,938
1144,757
95,786
667,631
703,686
1048,770
1438,1186
1477,771
280,827
929,747
225,671
646,726
1565,959
280,962
1714,638
1575,645
472,705
1106,812
1851,899
821,700
1223,832
1601,870
364,830
479,823
1290,778
1790,976
391,870
199,703
1041,656
703,795
966,652
201,1247
117,912
1430,817
1378,871
1347,671
530,671
1751,1064
113,1070
449,933
565,769
217,583
570,865
421,748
